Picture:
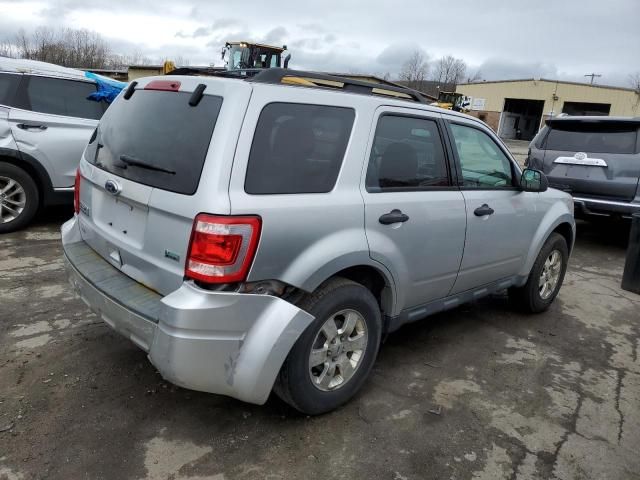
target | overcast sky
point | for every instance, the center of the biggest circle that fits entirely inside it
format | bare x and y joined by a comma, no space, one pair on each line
501,38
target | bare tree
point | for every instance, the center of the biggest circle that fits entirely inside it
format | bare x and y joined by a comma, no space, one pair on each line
67,47
117,61
634,80
415,69
449,71
8,49
182,61
475,77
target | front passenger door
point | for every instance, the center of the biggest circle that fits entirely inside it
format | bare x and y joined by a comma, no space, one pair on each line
501,218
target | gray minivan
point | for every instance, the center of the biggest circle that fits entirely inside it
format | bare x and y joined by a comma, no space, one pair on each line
596,159
264,234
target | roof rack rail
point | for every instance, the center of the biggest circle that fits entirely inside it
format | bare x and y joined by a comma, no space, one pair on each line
322,80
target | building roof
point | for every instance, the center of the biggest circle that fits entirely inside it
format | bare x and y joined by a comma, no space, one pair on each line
146,67
566,82
122,71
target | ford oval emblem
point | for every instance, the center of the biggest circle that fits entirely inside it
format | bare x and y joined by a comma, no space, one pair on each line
112,187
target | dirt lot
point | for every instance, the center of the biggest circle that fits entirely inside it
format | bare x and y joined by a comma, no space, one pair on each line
479,392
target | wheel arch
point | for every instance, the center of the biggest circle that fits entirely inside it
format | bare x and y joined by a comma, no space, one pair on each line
33,168
375,278
566,230
556,221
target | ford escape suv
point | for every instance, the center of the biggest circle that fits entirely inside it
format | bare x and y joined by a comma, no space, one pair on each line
46,119
259,235
596,159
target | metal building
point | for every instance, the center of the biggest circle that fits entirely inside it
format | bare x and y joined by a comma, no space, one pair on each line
518,108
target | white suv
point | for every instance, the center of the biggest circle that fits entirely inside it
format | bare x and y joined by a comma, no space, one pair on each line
46,120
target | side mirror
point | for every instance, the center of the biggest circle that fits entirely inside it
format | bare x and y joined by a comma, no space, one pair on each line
533,181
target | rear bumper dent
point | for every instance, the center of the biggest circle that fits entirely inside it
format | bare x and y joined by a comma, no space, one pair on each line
224,343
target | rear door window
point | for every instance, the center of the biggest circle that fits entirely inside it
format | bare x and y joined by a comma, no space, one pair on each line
407,154
8,87
63,97
156,138
615,138
298,148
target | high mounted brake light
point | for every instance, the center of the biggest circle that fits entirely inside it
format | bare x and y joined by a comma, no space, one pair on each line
164,85
221,249
76,192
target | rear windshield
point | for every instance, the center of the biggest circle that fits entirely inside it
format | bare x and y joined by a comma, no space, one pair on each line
593,138
156,138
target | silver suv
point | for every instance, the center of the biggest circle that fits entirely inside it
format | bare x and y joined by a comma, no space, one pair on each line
264,234
46,120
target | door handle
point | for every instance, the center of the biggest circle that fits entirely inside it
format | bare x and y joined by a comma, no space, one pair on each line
394,216
483,210
27,126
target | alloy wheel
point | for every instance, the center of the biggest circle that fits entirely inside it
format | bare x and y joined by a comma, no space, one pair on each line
337,350
550,274
12,199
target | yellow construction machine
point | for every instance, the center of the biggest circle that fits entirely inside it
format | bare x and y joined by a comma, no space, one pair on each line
453,101
247,55
240,56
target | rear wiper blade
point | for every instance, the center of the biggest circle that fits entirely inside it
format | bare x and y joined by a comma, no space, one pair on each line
134,162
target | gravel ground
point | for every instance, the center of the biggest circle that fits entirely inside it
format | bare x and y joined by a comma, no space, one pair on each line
480,392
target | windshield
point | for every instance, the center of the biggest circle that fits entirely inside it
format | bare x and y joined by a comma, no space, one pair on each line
156,138
238,57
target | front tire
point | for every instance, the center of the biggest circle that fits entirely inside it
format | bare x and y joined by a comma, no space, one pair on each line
545,279
19,198
334,355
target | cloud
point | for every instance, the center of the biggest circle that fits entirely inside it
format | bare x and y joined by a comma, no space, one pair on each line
275,36
221,24
545,38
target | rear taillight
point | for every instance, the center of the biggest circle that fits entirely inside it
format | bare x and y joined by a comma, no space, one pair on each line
76,193
222,248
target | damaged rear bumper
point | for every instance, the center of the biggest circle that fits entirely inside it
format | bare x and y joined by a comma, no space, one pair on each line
220,342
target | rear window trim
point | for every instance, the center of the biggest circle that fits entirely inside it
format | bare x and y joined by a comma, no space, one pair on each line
344,155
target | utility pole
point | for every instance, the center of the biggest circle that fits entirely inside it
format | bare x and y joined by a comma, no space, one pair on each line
593,75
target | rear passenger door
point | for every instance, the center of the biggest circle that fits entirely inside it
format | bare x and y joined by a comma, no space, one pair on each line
501,218
414,214
297,165
54,122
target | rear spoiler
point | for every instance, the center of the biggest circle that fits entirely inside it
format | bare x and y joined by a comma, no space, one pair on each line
603,120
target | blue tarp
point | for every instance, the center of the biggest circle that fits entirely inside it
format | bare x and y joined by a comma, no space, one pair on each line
108,88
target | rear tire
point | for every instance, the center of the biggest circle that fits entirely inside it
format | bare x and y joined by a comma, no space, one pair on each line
545,278
343,359
19,198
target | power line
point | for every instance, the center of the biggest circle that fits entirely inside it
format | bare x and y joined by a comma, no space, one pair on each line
593,75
